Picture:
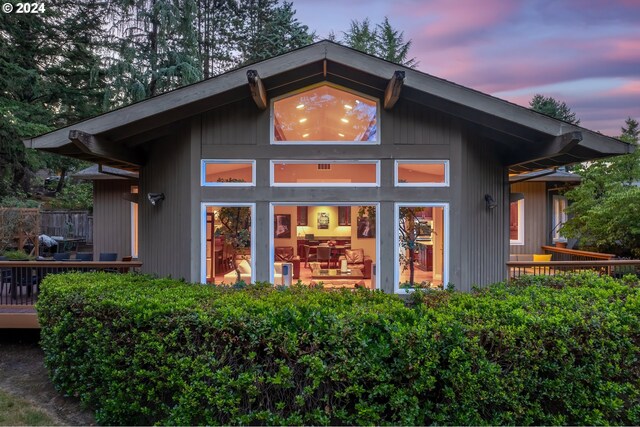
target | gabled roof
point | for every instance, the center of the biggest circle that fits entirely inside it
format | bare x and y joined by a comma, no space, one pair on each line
529,140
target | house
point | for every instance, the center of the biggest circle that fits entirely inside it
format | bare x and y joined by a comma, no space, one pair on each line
297,163
537,209
115,210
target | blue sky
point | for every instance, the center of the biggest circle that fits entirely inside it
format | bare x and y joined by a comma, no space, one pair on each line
583,52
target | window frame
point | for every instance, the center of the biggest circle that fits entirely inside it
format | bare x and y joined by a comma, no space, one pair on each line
313,86
203,172
203,235
556,236
272,205
520,240
396,246
396,174
272,182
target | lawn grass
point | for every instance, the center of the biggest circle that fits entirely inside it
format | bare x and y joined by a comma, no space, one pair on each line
19,412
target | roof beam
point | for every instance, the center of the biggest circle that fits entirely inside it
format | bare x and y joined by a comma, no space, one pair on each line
392,92
91,144
555,146
258,92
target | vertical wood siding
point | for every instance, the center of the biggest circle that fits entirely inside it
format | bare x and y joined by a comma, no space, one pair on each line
535,217
112,217
484,236
165,229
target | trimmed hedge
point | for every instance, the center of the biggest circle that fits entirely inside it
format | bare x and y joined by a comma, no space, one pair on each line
157,351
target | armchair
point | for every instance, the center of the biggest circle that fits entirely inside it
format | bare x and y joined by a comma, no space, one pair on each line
357,259
286,254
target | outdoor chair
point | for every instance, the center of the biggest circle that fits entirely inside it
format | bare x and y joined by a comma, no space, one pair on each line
84,256
108,257
62,256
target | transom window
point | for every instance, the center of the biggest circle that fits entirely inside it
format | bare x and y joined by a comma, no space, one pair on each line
422,173
325,114
239,173
328,173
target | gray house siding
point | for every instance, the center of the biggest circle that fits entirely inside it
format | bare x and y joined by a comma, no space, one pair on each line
483,232
165,229
113,214
535,217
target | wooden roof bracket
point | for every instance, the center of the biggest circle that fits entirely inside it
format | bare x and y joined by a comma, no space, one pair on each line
555,146
96,146
392,92
258,92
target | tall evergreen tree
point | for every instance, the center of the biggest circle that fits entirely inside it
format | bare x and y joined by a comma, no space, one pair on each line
268,29
383,41
553,108
49,77
155,48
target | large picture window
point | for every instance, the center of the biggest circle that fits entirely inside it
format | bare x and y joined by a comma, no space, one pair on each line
325,114
328,173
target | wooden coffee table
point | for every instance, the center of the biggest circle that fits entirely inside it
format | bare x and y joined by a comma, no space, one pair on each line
336,274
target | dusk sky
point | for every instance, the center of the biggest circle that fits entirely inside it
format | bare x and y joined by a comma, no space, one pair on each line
583,52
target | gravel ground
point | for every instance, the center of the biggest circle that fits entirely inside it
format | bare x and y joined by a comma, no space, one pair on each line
22,374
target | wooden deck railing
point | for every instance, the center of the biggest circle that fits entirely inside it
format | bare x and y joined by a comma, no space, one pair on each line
20,280
616,268
564,254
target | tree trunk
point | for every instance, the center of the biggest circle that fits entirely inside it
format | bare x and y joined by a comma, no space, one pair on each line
412,254
63,174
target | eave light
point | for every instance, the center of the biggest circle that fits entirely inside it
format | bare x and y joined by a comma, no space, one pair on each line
343,120
300,106
302,120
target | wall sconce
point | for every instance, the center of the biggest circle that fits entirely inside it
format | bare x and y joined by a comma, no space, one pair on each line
491,204
155,198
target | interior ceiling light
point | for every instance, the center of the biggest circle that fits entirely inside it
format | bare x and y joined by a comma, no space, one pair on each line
302,120
300,106
347,106
343,120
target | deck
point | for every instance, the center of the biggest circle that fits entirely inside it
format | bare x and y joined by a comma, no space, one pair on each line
20,285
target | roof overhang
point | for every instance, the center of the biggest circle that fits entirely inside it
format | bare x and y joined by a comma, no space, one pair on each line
529,140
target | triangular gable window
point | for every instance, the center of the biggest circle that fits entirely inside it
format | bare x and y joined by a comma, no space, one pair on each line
325,114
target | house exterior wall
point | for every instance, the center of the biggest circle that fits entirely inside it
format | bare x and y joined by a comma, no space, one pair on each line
112,214
165,242
535,217
477,241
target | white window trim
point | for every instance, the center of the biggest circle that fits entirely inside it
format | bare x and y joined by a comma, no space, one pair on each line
272,240
203,175
555,220
273,163
396,246
422,184
134,253
203,236
520,240
313,86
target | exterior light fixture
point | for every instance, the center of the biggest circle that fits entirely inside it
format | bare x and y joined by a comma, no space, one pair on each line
300,106
155,198
341,134
343,120
347,106
305,135
491,204
302,120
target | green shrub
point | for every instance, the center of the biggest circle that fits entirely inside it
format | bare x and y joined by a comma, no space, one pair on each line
157,351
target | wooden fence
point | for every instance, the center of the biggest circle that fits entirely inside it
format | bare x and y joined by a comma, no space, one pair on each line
77,224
